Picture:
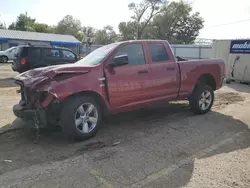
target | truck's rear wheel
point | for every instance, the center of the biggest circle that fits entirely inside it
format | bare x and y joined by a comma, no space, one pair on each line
81,117
202,99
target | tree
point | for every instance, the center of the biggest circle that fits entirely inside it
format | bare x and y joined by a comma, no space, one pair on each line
177,23
12,26
2,25
144,12
105,36
80,36
88,35
128,30
23,23
51,29
88,31
69,26
40,27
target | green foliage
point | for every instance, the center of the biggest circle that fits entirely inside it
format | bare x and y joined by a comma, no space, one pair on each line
42,28
23,22
144,12
128,30
69,26
79,36
89,32
12,26
152,19
2,25
106,35
175,22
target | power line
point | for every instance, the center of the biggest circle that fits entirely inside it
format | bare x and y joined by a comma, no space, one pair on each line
230,23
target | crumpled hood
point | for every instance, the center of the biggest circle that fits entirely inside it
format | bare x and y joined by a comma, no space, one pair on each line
38,75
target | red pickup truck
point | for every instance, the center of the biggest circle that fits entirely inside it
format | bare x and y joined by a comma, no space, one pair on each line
114,78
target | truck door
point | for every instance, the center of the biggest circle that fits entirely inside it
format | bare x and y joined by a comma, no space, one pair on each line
164,71
127,84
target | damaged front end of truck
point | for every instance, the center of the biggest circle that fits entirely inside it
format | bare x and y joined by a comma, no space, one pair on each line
42,94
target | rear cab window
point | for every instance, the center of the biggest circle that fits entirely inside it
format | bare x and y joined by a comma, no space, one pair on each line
158,52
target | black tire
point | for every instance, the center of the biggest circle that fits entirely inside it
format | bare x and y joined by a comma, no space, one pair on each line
196,96
67,119
4,59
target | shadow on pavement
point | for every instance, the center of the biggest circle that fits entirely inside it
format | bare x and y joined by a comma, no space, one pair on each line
152,139
223,135
16,125
240,87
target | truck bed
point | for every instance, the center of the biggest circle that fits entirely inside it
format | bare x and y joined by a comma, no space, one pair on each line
191,70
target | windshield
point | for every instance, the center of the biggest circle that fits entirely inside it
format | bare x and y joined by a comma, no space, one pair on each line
95,57
10,49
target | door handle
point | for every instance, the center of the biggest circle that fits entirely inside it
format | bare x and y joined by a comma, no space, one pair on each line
171,68
142,71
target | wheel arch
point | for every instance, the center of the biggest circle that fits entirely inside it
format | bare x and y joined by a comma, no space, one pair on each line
206,79
92,94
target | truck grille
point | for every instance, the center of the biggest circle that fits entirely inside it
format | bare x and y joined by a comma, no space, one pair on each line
29,97
26,93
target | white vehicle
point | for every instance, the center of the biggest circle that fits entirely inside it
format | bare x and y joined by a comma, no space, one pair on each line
7,55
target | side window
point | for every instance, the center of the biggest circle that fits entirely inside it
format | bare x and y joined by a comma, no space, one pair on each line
134,52
68,55
158,52
34,52
51,53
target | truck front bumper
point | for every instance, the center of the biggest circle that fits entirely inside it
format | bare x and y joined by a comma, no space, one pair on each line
31,114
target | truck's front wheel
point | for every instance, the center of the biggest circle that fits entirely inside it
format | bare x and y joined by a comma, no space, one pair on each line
80,117
202,99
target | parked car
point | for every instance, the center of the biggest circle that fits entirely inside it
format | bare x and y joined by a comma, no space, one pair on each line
30,57
115,78
7,55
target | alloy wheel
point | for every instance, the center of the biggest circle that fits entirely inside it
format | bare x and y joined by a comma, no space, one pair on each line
86,118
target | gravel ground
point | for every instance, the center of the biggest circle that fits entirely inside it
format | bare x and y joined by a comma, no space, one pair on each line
161,147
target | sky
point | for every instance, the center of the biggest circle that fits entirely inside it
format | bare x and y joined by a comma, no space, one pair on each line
98,13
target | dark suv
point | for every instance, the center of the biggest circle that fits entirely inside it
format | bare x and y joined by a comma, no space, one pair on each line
30,57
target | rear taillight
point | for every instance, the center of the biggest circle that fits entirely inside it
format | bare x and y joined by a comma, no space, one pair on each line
23,61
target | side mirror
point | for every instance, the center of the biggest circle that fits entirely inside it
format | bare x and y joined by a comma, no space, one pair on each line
119,61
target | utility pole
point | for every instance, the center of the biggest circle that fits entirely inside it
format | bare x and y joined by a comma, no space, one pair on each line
26,20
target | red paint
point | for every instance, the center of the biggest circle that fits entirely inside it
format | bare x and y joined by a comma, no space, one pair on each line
125,88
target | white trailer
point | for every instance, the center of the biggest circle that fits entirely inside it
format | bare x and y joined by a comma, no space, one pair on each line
236,54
